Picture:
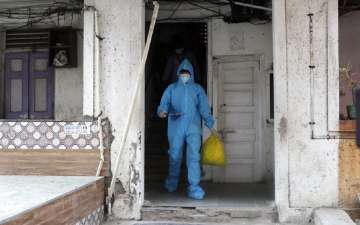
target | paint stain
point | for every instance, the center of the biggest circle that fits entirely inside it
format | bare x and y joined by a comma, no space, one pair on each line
134,145
282,128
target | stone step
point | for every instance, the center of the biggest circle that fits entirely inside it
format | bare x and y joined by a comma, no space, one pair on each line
329,216
114,221
209,215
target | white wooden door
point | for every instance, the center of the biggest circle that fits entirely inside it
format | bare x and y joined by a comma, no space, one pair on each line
239,120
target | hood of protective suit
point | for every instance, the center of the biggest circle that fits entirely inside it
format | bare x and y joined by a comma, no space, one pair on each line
186,65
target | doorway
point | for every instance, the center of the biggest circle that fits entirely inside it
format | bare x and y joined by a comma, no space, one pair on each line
161,56
237,83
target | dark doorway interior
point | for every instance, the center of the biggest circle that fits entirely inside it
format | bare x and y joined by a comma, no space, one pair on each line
194,37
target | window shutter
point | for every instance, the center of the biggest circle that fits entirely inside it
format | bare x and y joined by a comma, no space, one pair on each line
41,86
16,82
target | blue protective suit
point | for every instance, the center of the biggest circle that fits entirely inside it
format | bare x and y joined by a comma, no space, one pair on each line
185,105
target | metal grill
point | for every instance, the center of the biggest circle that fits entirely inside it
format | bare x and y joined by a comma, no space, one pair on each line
28,39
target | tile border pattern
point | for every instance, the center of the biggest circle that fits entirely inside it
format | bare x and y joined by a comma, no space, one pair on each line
50,135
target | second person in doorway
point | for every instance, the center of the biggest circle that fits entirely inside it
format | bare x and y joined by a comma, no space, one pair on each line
185,103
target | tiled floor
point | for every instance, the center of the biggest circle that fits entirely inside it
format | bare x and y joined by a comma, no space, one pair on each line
217,196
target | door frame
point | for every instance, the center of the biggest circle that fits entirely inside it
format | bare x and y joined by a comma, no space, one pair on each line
260,88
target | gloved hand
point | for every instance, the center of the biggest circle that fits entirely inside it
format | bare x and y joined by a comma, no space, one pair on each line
215,132
163,114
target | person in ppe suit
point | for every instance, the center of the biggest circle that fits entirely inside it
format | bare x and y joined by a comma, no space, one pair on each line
185,103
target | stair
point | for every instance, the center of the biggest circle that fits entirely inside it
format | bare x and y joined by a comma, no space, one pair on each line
265,215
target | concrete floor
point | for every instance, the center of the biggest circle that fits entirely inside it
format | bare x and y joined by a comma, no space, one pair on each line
249,222
217,196
20,194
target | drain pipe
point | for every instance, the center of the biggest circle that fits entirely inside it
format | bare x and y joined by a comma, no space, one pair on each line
312,67
139,74
97,91
101,145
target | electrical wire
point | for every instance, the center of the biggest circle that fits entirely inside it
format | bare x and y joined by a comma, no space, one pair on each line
205,8
192,19
176,9
215,7
28,15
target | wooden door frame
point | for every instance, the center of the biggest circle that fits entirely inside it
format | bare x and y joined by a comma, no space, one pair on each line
260,90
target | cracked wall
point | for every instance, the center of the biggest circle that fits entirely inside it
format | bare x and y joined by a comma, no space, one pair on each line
121,25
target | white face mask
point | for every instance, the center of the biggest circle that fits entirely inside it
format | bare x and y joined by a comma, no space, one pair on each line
184,78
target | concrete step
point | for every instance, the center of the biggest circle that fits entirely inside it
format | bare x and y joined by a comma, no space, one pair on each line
328,216
209,215
114,221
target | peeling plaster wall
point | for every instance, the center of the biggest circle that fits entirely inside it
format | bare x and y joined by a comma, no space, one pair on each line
307,169
121,24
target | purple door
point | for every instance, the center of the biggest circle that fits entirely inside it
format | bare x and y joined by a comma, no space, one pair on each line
29,86
41,91
16,85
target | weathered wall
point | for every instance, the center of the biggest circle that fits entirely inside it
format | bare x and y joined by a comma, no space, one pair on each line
248,39
69,83
349,174
121,24
349,169
307,166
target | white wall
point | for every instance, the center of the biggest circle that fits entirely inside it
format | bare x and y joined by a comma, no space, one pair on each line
69,83
248,39
121,24
306,169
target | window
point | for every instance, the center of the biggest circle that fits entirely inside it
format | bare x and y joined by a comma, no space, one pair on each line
29,91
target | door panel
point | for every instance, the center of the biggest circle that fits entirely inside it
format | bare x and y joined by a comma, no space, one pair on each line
16,85
29,88
16,95
41,86
239,120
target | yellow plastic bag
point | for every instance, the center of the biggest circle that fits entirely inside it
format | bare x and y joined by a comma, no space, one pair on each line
213,152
